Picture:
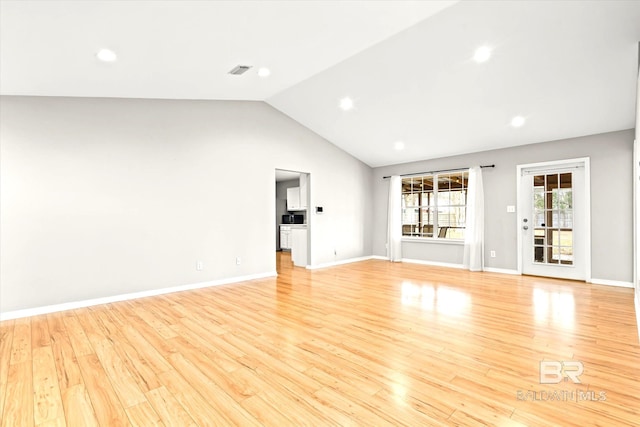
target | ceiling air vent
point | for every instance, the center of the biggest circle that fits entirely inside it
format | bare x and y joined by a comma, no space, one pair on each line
240,69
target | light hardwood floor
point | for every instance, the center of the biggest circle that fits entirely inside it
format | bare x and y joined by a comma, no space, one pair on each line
370,343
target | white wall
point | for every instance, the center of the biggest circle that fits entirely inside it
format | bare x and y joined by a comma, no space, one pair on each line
101,197
636,180
611,202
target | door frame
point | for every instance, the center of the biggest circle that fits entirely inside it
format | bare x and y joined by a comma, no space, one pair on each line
587,206
308,211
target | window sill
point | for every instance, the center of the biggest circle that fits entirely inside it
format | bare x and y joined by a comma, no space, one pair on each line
433,240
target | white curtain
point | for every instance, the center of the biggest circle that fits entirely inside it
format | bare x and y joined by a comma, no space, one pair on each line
474,233
394,218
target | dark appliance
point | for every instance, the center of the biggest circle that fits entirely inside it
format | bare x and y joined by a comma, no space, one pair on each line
292,219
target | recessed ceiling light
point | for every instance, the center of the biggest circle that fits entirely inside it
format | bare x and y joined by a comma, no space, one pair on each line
346,103
482,54
264,72
517,121
398,145
106,55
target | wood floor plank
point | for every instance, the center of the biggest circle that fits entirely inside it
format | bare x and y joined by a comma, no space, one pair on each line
106,404
207,343
143,415
46,389
58,422
40,332
265,413
368,343
21,345
168,409
137,366
125,386
191,400
6,341
162,328
121,379
143,336
18,409
78,408
230,412
67,369
349,408
212,371
77,337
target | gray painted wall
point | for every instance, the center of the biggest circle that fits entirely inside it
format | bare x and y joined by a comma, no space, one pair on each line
101,197
611,202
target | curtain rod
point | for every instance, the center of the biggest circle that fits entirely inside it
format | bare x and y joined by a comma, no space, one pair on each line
441,170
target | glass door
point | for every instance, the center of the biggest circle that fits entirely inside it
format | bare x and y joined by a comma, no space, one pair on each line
552,204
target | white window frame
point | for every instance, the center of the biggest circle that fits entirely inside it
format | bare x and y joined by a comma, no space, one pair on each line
435,207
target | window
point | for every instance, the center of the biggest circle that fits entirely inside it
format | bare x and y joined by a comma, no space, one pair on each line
435,206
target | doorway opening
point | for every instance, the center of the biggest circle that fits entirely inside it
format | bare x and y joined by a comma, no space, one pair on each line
292,218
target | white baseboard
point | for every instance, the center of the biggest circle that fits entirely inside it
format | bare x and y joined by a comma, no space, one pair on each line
433,263
341,262
501,271
382,258
27,312
450,265
607,282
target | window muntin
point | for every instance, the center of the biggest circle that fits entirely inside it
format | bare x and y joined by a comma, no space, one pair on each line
435,206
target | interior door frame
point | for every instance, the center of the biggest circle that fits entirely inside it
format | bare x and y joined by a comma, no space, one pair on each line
308,211
587,206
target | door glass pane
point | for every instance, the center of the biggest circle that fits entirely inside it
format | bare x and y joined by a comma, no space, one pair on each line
565,180
553,219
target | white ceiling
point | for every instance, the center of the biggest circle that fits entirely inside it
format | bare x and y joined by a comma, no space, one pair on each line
568,67
282,175
185,49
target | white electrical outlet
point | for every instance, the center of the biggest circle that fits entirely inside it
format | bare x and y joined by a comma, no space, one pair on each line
199,265
493,254
511,209
238,260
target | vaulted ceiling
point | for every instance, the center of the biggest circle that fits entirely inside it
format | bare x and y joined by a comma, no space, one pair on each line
568,68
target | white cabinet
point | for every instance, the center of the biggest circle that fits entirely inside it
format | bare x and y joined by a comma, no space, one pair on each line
293,198
297,196
285,237
299,246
